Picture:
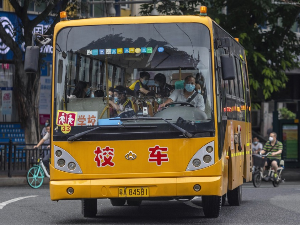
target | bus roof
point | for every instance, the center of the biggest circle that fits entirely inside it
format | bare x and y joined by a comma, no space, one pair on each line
134,20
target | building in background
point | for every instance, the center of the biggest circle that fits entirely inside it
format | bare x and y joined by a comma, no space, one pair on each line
9,20
11,23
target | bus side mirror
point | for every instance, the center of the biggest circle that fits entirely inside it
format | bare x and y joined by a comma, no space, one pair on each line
228,67
31,63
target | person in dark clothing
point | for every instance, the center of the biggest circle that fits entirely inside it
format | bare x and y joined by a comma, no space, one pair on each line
163,89
82,90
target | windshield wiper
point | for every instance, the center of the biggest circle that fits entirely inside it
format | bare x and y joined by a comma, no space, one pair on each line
183,131
76,136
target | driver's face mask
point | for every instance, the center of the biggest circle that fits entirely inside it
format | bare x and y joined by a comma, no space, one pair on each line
189,87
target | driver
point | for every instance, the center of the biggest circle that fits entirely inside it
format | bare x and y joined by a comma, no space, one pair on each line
122,104
188,94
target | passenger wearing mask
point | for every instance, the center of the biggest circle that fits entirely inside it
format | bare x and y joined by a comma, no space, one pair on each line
163,89
256,146
82,90
200,80
141,84
121,103
188,94
198,88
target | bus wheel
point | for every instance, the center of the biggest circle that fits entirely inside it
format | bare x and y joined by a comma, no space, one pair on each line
89,207
211,206
132,202
234,197
117,201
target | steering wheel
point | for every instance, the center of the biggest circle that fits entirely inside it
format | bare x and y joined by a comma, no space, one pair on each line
180,103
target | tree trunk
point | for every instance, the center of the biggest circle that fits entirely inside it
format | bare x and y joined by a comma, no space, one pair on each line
26,93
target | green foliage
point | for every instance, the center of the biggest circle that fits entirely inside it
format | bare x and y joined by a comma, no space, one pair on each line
286,114
167,7
263,28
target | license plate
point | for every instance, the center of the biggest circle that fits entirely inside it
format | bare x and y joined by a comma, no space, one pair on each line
134,192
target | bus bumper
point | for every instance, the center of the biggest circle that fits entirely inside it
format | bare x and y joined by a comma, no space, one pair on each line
158,187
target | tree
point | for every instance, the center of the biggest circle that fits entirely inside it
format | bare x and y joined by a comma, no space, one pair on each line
263,28
26,87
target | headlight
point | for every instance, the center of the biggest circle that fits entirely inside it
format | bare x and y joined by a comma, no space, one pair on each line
196,162
58,153
209,149
71,166
207,158
61,162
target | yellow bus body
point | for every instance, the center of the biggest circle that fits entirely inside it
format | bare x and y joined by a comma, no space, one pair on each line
168,180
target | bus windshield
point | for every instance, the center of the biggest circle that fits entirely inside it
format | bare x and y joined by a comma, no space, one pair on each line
105,74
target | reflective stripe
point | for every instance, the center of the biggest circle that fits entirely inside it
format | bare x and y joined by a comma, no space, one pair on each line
134,83
125,103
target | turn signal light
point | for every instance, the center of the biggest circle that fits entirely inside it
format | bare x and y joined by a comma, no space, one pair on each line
203,11
63,15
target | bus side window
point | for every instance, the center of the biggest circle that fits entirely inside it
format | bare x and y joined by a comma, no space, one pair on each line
247,97
240,81
231,87
226,86
236,80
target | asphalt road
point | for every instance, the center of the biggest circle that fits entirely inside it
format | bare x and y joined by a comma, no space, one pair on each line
264,205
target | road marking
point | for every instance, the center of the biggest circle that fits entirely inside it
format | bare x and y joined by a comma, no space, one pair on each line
14,200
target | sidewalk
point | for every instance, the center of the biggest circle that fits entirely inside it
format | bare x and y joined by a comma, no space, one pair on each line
289,174
17,181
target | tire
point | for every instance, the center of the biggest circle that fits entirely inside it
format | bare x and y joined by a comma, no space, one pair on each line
256,180
234,197
132,202
35,177
276,183
223,199
211,206
117,201
89,207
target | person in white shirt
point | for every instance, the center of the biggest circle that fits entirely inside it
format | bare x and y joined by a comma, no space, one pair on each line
256,146
44,139
188,94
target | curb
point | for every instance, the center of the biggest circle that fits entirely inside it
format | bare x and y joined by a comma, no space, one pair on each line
17,181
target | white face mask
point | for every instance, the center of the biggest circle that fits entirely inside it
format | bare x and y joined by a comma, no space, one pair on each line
271,139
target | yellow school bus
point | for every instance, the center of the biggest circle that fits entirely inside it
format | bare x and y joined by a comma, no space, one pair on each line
149,151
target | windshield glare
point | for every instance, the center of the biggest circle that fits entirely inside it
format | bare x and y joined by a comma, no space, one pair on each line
127,71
